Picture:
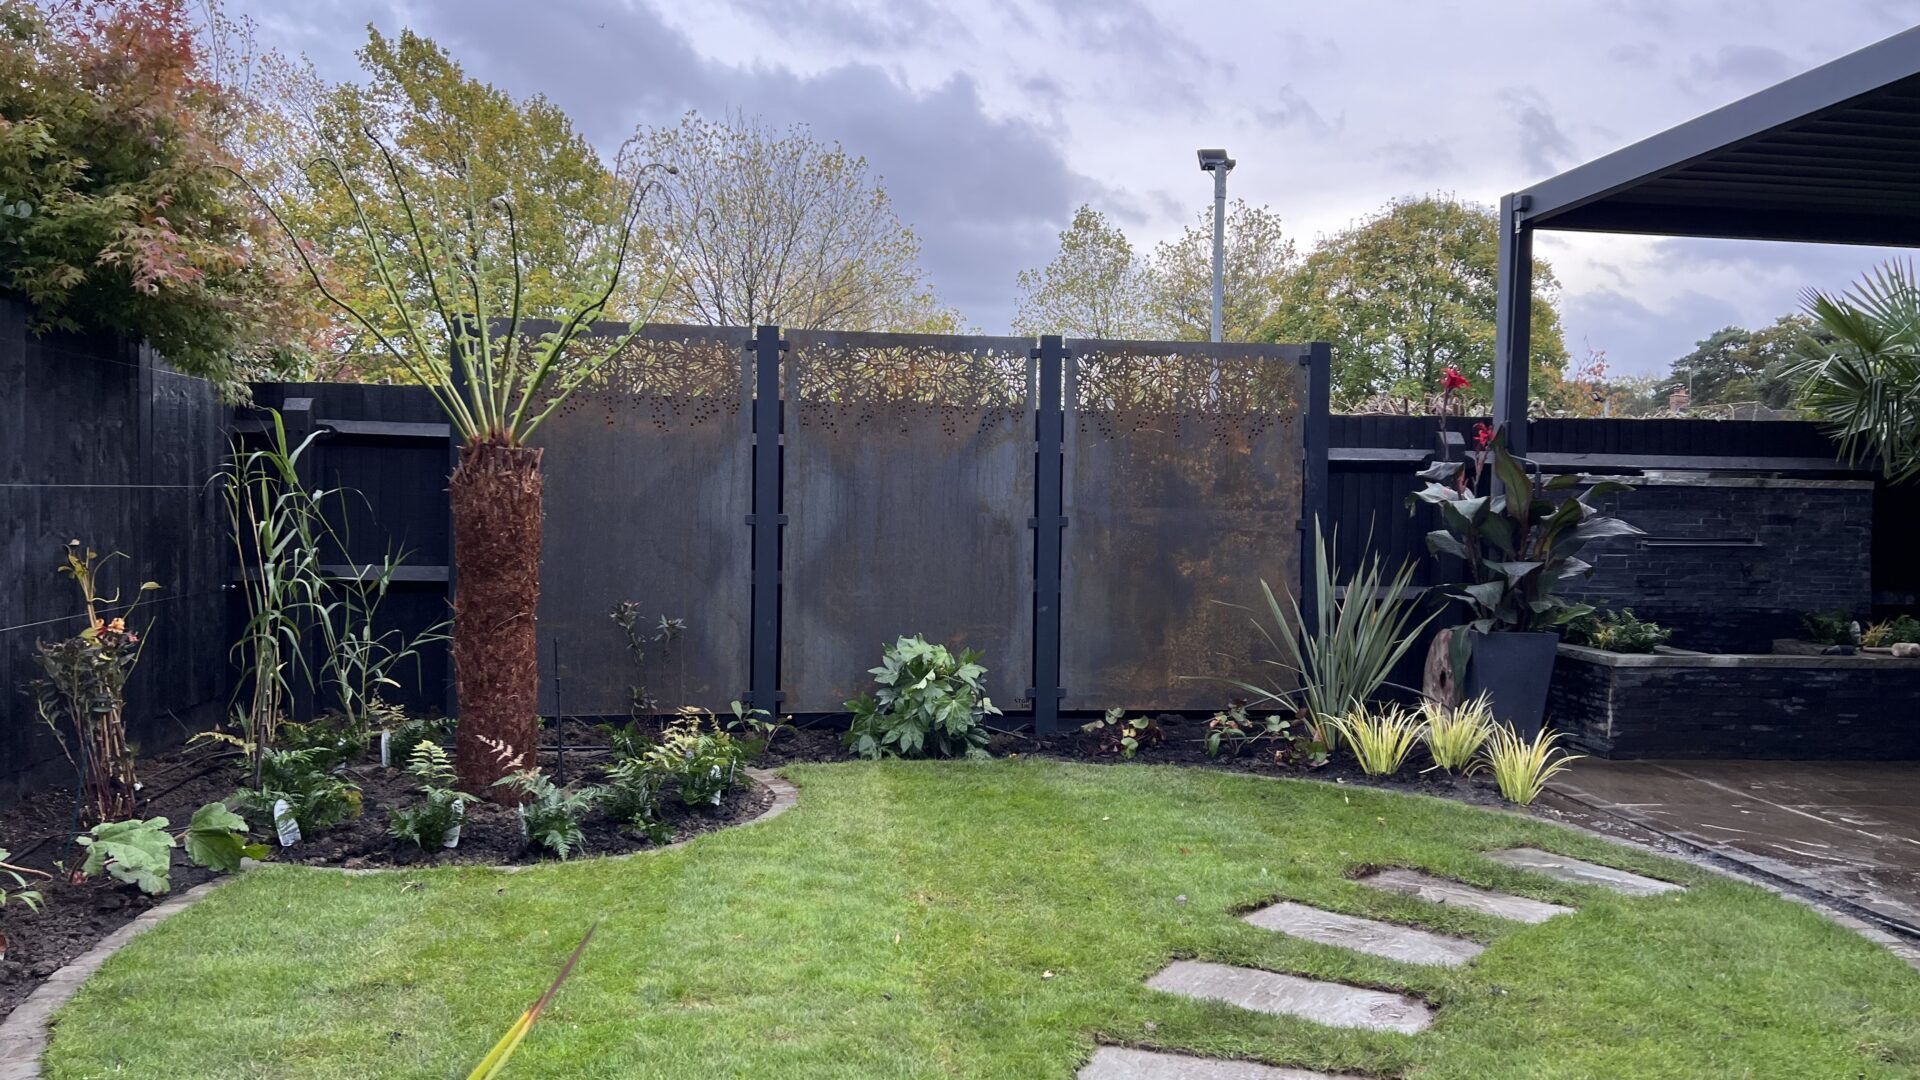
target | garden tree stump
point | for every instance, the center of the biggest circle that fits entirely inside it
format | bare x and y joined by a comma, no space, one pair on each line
1438,682
496,496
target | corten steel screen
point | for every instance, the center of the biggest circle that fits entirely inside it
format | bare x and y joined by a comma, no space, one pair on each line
1182,492
907,492
648,489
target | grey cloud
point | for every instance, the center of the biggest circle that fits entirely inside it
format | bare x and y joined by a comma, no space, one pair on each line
1638,339
1289,108
1422,159
1130,31
1657,14
1639,55
1743,65
987,196
889,24
1543,146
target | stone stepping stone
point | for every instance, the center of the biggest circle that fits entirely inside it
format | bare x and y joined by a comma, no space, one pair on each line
1439,890
1116,1063
1402,943
1580,872
1333,1004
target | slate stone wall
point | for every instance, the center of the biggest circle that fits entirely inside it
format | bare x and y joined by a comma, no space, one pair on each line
1731,563
1806,708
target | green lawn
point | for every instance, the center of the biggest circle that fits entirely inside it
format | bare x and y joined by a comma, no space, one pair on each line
902,920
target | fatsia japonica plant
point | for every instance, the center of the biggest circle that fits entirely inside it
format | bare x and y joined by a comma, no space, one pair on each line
1519,543
929,703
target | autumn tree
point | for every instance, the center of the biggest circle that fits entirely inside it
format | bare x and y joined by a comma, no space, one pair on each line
118,212
1737,366
1408,293
462,143
1255,260
759,226
1096,287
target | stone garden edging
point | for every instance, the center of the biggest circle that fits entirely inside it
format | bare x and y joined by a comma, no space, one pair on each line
26,1030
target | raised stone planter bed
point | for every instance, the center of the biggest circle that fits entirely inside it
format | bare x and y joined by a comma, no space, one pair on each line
1674,704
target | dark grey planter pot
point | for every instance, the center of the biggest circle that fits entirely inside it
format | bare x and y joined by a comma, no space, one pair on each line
1513,669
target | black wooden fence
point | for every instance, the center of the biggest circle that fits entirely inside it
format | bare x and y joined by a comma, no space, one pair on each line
100,443
1074,507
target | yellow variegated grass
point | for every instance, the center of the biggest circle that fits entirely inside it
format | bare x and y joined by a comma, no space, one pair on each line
1455,733
1380,739
1522,767
496,1059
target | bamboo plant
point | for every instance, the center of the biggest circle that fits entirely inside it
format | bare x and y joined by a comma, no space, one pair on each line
454,320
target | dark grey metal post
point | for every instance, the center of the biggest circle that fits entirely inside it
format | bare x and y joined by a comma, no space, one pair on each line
1513,323
1048,519
1313,483
766,520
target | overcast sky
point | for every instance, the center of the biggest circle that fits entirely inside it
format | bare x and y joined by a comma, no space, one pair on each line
992,119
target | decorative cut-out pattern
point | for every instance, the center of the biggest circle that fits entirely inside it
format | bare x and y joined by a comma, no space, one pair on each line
1194,390
673,377
907,383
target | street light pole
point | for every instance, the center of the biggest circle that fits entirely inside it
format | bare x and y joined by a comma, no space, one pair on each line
1219,164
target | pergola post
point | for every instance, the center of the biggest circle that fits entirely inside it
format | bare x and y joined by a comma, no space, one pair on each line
1513,323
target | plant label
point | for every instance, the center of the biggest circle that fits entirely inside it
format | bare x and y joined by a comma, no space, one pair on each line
386,749
284,824
521,812
459,813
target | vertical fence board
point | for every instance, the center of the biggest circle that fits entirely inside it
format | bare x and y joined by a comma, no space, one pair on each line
909,483
1184,467
648,490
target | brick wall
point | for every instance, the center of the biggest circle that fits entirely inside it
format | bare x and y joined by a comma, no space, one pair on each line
1731,563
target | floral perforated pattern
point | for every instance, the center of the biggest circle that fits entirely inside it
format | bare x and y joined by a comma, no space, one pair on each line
907,383
671,378
1216,394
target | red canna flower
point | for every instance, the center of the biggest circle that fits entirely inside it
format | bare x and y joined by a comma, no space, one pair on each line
1451,380
1482,435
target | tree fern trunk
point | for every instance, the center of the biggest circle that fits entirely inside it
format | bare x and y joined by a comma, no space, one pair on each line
496,495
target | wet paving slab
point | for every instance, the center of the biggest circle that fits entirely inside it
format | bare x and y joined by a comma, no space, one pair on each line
1332,1004
1402,943
1847,829
1116,1063
1439,890
1580,872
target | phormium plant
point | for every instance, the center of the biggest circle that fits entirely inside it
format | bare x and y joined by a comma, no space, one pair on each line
929,703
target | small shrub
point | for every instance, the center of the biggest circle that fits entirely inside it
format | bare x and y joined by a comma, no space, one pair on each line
552,813
333,740
134,852
1380,738
626,740
1294,739
1455,733
930,703
701,756
631,796
1896,631
428,825
1521,767
1619,632
1830,628
317,798
1119,735
410,731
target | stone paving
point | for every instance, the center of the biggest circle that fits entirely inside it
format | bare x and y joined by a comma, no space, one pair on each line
1439,890
1579,872
1333,1004
1117,1063
1402,943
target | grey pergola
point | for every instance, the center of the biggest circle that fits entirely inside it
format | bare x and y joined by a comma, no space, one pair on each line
1829,156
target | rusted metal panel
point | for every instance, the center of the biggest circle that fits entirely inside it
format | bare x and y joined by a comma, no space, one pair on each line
1183,492
648,488
909,485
